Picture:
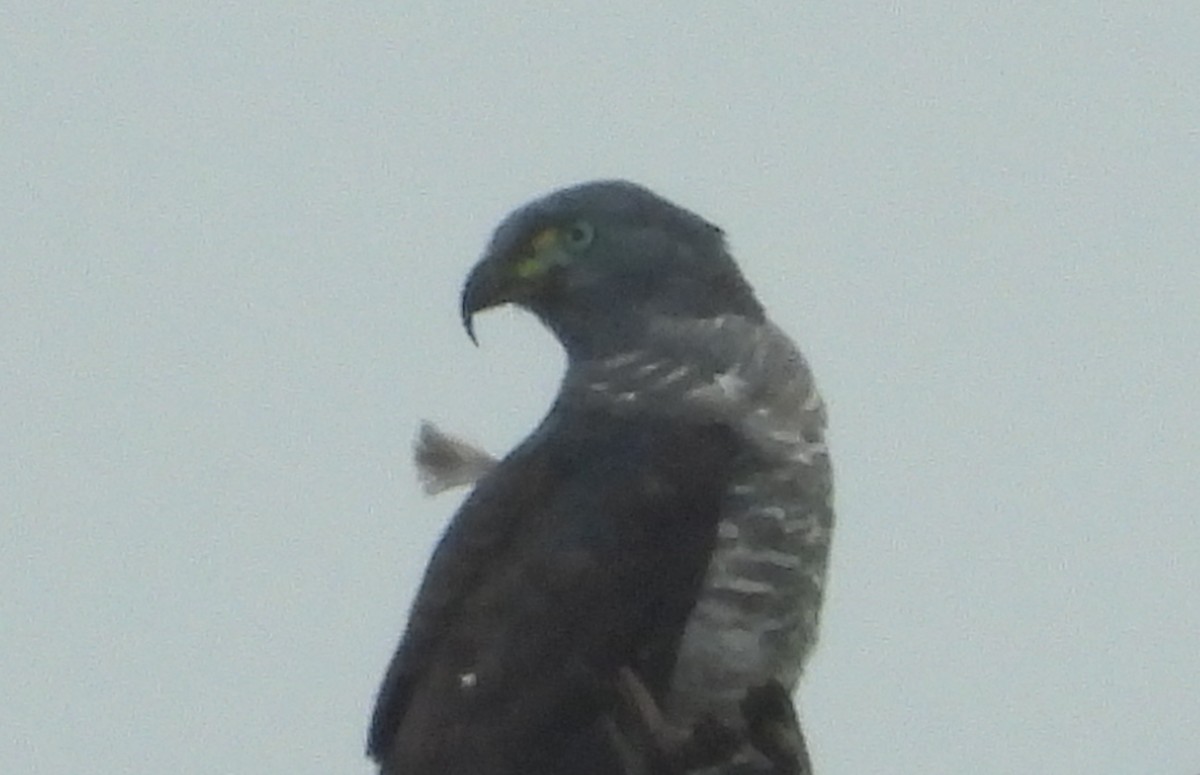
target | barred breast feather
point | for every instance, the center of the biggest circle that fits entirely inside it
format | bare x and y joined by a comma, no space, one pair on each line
757,615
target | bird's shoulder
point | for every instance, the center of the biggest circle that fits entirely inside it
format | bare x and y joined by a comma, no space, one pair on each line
541,578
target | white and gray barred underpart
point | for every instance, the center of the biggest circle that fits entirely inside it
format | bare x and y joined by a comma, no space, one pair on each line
757,616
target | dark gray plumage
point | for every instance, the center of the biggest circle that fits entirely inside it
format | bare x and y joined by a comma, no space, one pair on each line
661,331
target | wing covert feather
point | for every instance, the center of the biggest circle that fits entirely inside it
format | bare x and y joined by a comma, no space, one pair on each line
583,551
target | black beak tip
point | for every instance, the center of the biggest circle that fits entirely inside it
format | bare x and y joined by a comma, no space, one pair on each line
477,295
469,324
470,305
486,288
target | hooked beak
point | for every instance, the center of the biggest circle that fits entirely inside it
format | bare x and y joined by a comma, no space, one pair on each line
501,277
486,287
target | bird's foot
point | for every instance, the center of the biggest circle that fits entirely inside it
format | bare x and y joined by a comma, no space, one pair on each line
774,730
670,750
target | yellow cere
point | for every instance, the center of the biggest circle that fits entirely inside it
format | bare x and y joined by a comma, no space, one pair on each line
536,262
528,267
544,239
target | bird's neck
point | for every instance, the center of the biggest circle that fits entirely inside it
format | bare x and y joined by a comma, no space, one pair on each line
589,333
590,329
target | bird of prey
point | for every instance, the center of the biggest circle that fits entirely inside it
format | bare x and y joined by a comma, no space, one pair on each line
670,515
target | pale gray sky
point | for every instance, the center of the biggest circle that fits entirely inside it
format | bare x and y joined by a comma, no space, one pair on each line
232,243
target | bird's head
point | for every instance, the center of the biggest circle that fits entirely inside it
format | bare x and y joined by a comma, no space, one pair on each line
596,261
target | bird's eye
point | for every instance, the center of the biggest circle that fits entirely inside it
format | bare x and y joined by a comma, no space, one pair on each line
578,235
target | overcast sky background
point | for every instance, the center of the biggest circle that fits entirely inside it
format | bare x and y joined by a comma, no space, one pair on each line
231,245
